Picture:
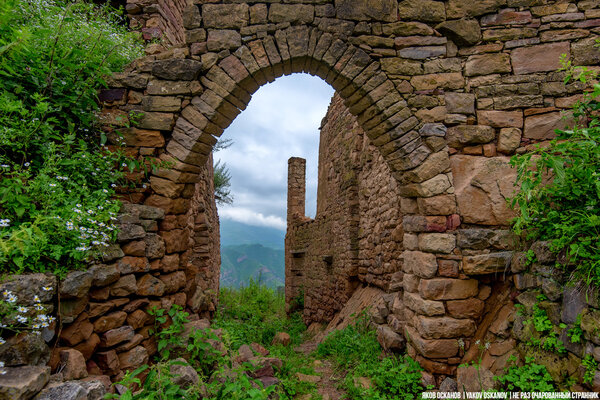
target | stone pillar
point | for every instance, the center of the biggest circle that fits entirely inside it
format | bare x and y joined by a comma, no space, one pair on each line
296,188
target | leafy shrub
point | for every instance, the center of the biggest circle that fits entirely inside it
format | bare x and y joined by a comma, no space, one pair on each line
542,324
529,377
559,197
158,384
392,378
56,180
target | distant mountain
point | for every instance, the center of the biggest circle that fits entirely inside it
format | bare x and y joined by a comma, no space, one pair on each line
235,233
242,262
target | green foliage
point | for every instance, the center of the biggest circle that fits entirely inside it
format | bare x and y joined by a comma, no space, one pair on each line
559,197
158,384
222,182
171,327
56,180
590,366
222,177
576,333
356,344
238,387
255,313
529,377
392,378
202,354
549,340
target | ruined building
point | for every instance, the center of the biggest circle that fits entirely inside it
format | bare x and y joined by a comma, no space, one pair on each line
432,99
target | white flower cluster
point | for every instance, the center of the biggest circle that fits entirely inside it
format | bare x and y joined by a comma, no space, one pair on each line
4,223
23,315
92,231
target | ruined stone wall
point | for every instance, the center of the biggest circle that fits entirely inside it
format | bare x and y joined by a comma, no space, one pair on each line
483,251
445,91
356,233
102,313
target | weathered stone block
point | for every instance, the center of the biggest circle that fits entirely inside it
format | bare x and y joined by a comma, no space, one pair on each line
432,187
421,264
463,32
388,339
540,58
72,364
299,13
176,69
509,140
23,382
437,243
448,289
159,121
223,40
422,52
464,135
482,185
485,64
461,103
76,284
500,119
542,126
421,10
148,285
422,306
225,15
450,80
487,263
110,321
125,286
437,205
441,348
460,9
585,52
444,327
364,10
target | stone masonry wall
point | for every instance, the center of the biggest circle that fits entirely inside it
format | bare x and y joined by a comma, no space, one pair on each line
101,313
502,278
444,91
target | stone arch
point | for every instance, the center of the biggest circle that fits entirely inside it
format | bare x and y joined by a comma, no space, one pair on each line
366,88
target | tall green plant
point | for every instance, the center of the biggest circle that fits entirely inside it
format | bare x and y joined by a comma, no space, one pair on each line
559,197
57,180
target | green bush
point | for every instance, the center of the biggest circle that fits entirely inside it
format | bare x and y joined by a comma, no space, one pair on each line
529,377
57,181
559,197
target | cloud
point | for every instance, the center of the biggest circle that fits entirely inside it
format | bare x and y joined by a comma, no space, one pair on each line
281,121
251,217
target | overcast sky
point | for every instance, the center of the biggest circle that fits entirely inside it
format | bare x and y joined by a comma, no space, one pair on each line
281,121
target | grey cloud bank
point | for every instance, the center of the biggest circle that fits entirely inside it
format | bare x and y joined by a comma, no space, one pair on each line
281,121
